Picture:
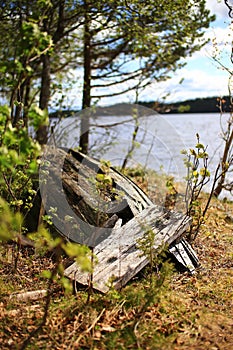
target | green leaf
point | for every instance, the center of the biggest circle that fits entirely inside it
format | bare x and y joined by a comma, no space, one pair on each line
192,152
38,117
100,177
46,274
195,173
204,172
80,253
200,146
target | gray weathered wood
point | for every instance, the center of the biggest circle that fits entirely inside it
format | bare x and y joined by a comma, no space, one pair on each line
30,295
70,186
185,255
112,223
119,258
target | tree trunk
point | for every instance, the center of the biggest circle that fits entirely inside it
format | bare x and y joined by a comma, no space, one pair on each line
18,107
224,169
26,101
86,102
42,132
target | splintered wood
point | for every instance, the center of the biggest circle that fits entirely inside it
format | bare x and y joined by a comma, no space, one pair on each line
112,229
118,256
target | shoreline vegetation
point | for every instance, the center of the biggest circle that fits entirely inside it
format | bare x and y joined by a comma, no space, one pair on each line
198,105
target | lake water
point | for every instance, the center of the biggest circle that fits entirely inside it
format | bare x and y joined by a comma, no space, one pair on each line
158,142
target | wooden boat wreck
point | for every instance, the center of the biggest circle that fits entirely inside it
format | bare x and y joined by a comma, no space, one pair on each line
92,203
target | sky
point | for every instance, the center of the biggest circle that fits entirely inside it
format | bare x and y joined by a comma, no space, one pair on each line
201,76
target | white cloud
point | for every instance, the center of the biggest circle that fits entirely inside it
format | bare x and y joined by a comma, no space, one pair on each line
197,83
215,58
220,42
218,8
200,83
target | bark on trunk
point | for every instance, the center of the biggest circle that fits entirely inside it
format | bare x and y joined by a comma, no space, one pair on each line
26,101
86,103
221,181
42,132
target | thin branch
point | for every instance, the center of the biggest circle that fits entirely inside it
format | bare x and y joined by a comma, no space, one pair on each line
122,92
90,327
9,187
230,7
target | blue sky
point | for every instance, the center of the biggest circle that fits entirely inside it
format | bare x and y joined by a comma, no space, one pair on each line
201,76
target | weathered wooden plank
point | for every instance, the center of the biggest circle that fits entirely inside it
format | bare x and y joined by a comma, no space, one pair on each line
132,192
110,222
30,295
81,170
185,255
70,187
119,258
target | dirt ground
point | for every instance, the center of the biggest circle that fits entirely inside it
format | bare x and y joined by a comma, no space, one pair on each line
190,312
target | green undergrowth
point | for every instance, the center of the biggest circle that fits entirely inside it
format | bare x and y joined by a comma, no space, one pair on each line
160,308
171,310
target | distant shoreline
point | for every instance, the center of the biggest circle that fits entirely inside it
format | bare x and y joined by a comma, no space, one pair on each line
198,105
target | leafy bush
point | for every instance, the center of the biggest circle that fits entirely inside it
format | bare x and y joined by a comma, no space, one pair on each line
18,163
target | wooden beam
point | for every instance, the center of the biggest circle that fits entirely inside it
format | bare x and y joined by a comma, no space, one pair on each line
119,258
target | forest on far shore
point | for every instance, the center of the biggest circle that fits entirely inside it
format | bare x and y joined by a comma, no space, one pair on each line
198,105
